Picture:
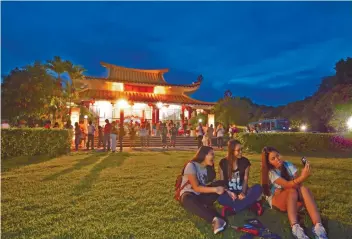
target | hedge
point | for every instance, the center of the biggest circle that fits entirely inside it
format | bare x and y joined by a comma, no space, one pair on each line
35,141
296,142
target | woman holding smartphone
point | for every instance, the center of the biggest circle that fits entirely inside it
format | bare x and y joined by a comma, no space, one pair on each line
284,190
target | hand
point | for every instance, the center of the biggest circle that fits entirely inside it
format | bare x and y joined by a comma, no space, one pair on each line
241,196
306,171
219,190
232,195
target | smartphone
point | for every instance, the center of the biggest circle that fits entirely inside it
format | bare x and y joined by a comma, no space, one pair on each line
304,161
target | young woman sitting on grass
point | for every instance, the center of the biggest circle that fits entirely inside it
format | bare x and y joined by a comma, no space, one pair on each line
284,190
196,196
234,169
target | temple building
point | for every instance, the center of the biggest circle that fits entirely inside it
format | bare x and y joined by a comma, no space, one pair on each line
138,95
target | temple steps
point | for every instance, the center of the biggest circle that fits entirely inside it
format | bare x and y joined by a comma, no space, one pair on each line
155,141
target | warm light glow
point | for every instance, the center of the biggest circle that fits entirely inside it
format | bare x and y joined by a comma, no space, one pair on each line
159,90
303,127
86,116
200,120
116,86
159,105
211,119
122,104
139,106
349,123
74,115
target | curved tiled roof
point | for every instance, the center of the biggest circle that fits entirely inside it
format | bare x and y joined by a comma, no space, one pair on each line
138,75
141,97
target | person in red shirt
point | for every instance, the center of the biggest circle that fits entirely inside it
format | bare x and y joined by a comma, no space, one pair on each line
107,132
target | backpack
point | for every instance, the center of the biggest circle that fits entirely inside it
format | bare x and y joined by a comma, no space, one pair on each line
178,186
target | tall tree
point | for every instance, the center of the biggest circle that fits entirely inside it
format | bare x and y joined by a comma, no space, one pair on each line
27,92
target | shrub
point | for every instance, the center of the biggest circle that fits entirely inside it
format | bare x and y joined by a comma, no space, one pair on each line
37,141
295,142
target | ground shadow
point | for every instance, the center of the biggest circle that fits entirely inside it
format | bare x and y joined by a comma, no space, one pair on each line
111,161
21,161
276,221
80,164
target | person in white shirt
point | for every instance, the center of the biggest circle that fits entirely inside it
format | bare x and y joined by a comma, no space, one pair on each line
220,131
200,133
91,130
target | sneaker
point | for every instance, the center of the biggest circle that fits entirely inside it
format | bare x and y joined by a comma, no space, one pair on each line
218,225
298,232
319,231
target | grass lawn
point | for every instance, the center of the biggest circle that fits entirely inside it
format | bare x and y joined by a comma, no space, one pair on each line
130,195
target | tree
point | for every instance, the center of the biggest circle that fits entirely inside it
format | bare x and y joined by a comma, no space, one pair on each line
58,66
75,73
27,92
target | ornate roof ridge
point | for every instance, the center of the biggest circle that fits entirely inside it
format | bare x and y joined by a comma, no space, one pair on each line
194,84
154,71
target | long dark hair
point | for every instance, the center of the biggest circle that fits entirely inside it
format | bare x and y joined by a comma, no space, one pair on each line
200,157
230,157
266,167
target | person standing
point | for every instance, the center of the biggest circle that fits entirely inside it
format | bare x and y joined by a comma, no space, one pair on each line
113,135
173,133
220,136
107,132
100,136
91,131
77,135
200,134
210,133
143,135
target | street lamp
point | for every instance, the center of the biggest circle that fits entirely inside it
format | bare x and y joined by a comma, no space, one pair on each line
349,123
303,127
200,120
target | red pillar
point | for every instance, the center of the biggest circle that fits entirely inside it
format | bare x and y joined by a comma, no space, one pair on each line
143,116
190,113
183,115
122,118
153,114
157,115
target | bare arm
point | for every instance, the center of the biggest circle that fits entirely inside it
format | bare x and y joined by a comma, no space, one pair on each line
221,173
296,181
200,189
245,180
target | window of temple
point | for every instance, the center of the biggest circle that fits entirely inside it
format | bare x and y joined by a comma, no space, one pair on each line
135,88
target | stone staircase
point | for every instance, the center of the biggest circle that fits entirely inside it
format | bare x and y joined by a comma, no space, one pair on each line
155,141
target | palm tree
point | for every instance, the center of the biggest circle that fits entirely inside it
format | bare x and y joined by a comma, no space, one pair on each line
58,66
75,73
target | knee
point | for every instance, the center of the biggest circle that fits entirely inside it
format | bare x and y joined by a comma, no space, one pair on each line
292,192
257,188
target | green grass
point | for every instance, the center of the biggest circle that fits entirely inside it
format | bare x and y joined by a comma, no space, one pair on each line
130,195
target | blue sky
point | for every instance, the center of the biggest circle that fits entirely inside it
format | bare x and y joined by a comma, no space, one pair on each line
271,52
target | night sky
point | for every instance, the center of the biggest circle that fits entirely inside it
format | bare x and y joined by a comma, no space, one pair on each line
272,52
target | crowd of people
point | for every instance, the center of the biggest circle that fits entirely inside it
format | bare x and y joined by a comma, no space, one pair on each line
282,187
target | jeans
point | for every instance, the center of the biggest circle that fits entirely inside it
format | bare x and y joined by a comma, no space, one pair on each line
77,141
107,141
252,196
91,141
199,139
200,205
143,141
113,142
100,140
220,142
